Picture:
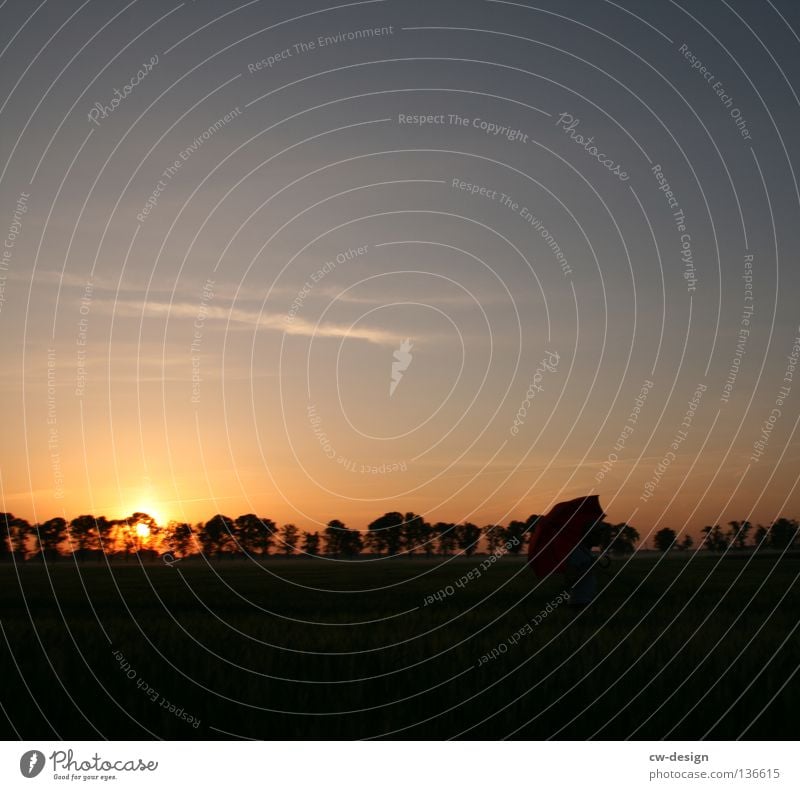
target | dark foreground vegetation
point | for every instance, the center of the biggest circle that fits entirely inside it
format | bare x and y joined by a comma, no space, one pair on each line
678,645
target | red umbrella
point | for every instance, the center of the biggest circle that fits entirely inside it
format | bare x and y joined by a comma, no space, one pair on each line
556,535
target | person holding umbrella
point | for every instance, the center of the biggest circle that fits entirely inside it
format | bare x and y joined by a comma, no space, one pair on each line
562,541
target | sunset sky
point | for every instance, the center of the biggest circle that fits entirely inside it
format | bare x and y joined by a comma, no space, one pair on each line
180,336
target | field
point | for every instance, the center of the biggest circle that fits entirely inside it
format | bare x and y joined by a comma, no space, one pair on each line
690,646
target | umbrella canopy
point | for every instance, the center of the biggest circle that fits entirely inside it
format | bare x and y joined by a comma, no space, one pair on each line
556,535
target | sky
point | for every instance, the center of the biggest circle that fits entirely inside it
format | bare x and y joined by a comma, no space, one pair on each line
317,260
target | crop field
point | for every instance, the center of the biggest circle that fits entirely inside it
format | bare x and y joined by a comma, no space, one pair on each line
685,646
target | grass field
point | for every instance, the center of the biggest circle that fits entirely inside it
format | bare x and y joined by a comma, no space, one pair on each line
315,649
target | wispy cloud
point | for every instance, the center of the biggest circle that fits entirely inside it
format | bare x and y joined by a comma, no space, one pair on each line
189,288
250,318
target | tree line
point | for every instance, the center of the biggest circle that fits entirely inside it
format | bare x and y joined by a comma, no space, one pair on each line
782,534
392,533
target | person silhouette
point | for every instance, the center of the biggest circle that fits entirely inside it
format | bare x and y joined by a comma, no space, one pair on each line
579,575
561,542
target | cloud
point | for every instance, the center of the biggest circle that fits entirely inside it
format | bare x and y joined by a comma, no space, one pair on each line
241,292
252,318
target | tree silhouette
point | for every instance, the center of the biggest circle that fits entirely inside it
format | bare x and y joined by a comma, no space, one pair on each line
737,536
14,534
6,521
178,538
761,538
132,537
216,535
782,533
415,532
20,530
332,536
385,534
82,535
263,541
50,534
429,541
467,537
445,537
714,539
341,541
515,533
617,538
390,534
311,543
625,539
105,529
289,537
254,535
495,536
352,543
665,539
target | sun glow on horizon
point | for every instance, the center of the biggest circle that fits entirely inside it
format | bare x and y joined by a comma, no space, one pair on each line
142,529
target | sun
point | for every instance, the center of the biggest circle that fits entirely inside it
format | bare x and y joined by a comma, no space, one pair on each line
142,530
